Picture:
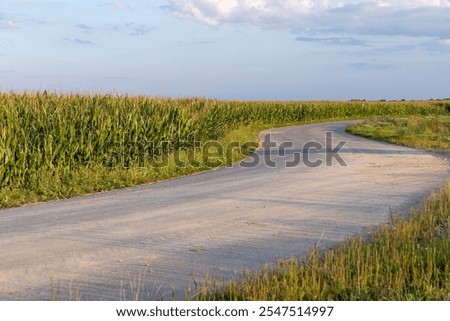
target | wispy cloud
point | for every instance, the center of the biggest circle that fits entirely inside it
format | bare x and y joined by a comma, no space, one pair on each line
373,19
202,42
7,24
140,30
401,48
83,42
168,7
413,18
340,41
85,28
126,78
370,66
436,45
120,5
132,28
37,4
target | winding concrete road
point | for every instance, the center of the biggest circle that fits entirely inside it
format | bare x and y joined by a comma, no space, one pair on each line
161,239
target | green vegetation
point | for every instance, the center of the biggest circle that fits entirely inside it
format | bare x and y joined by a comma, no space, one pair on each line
408,259
430,133
58,146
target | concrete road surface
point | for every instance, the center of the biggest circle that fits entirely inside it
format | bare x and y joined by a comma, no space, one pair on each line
160,239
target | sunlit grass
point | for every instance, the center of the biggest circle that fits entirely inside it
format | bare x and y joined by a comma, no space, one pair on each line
56,183
58,146
430,133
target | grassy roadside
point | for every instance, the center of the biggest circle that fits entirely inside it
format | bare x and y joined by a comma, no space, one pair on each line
57,183
430,133
408,259
60,146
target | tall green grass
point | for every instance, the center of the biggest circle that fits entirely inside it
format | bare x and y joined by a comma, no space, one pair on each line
431,132
57,146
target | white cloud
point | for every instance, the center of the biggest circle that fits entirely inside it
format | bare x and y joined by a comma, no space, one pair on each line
414,18
426,3
259,12
370,19
7,24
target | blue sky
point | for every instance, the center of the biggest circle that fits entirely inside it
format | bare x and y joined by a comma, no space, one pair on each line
230,49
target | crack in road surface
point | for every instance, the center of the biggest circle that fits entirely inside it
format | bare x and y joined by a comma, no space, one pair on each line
158,240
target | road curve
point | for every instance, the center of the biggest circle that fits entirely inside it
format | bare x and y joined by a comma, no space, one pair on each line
155,240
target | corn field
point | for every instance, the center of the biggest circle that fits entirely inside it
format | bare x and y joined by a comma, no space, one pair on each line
45,132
